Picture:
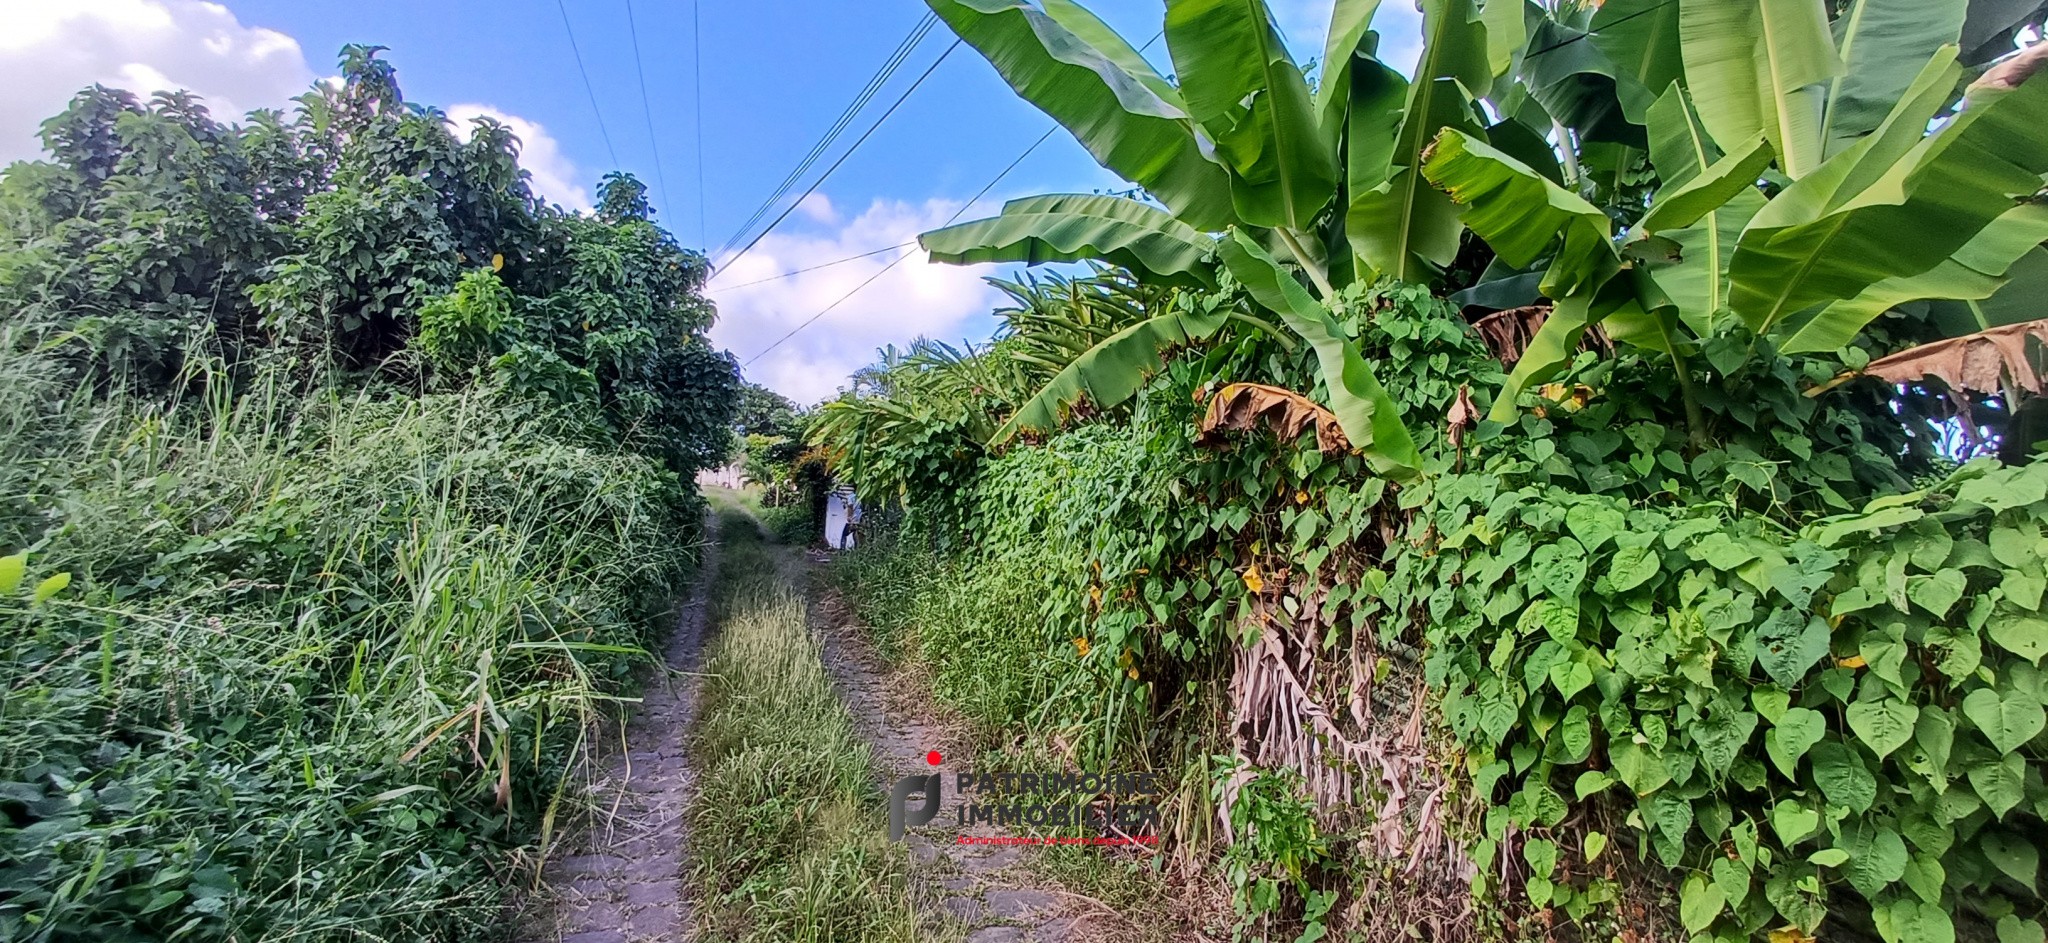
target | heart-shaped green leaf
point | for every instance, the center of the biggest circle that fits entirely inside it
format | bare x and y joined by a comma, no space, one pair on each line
1797,731
1793,821
2006,719
1699,902
1886,725
1938,592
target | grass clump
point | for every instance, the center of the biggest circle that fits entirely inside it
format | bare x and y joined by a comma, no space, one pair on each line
787,838
304,666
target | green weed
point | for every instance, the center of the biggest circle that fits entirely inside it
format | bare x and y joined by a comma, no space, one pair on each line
322,665
787,839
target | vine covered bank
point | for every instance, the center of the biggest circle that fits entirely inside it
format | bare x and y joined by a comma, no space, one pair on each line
1533,497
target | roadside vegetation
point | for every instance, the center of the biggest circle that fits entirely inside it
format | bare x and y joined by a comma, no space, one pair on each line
1542,497
788,842
343,485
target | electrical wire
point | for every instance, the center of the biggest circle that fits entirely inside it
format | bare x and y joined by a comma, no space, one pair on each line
950,220
883,74
646,110
587,89
697,111
850,258
827,175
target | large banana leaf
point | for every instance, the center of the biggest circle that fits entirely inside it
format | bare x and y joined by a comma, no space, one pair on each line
1757,67
1917,213
1112,371
1076,227
1368,415
2023,297
1521,214
1350,38
1090,28
1558,340
1883,44
1683,205
1398,224
1975,272
1681,150
1244,90
1584,90
1122,118
1989,28
1641,38
1507,30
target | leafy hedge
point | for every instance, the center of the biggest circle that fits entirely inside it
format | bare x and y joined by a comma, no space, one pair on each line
1793,669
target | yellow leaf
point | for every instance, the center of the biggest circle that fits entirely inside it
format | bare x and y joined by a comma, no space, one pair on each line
497,261
1853,661
1790,935
1252,580
1081,645
1301,497
1125,659
1095,595
1133,673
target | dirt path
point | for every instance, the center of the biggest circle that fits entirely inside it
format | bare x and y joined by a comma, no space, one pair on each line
987,892
617,878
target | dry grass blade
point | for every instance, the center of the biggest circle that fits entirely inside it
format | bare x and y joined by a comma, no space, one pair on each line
1248,406
1463,413
1507,333
1980,363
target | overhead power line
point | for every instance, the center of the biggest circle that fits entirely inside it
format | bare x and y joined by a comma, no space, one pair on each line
827,175
874,85
646,110
697,86
950,220
587,89
850,258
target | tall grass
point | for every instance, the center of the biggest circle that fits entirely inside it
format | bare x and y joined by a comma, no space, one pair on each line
787,840
324,663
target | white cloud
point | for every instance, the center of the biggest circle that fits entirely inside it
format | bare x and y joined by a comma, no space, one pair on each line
915,298
49,49
818,208
555,176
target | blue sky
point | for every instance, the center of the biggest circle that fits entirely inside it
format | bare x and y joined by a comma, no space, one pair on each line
775,75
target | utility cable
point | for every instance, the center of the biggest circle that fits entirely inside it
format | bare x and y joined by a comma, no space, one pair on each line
850,258
849,152
587,89
646,110
950,220
697,112
883,74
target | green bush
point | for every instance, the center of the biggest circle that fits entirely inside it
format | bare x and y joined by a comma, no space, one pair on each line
791,524
1796,672
316,663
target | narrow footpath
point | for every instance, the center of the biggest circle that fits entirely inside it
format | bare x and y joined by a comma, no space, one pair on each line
617,876
986,893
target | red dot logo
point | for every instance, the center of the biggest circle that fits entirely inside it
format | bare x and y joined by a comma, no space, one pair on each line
933,758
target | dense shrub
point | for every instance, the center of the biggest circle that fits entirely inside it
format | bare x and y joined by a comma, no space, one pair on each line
792,524
344,482
313,660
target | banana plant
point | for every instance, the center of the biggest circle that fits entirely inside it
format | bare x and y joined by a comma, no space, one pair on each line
1325,182
1899,213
